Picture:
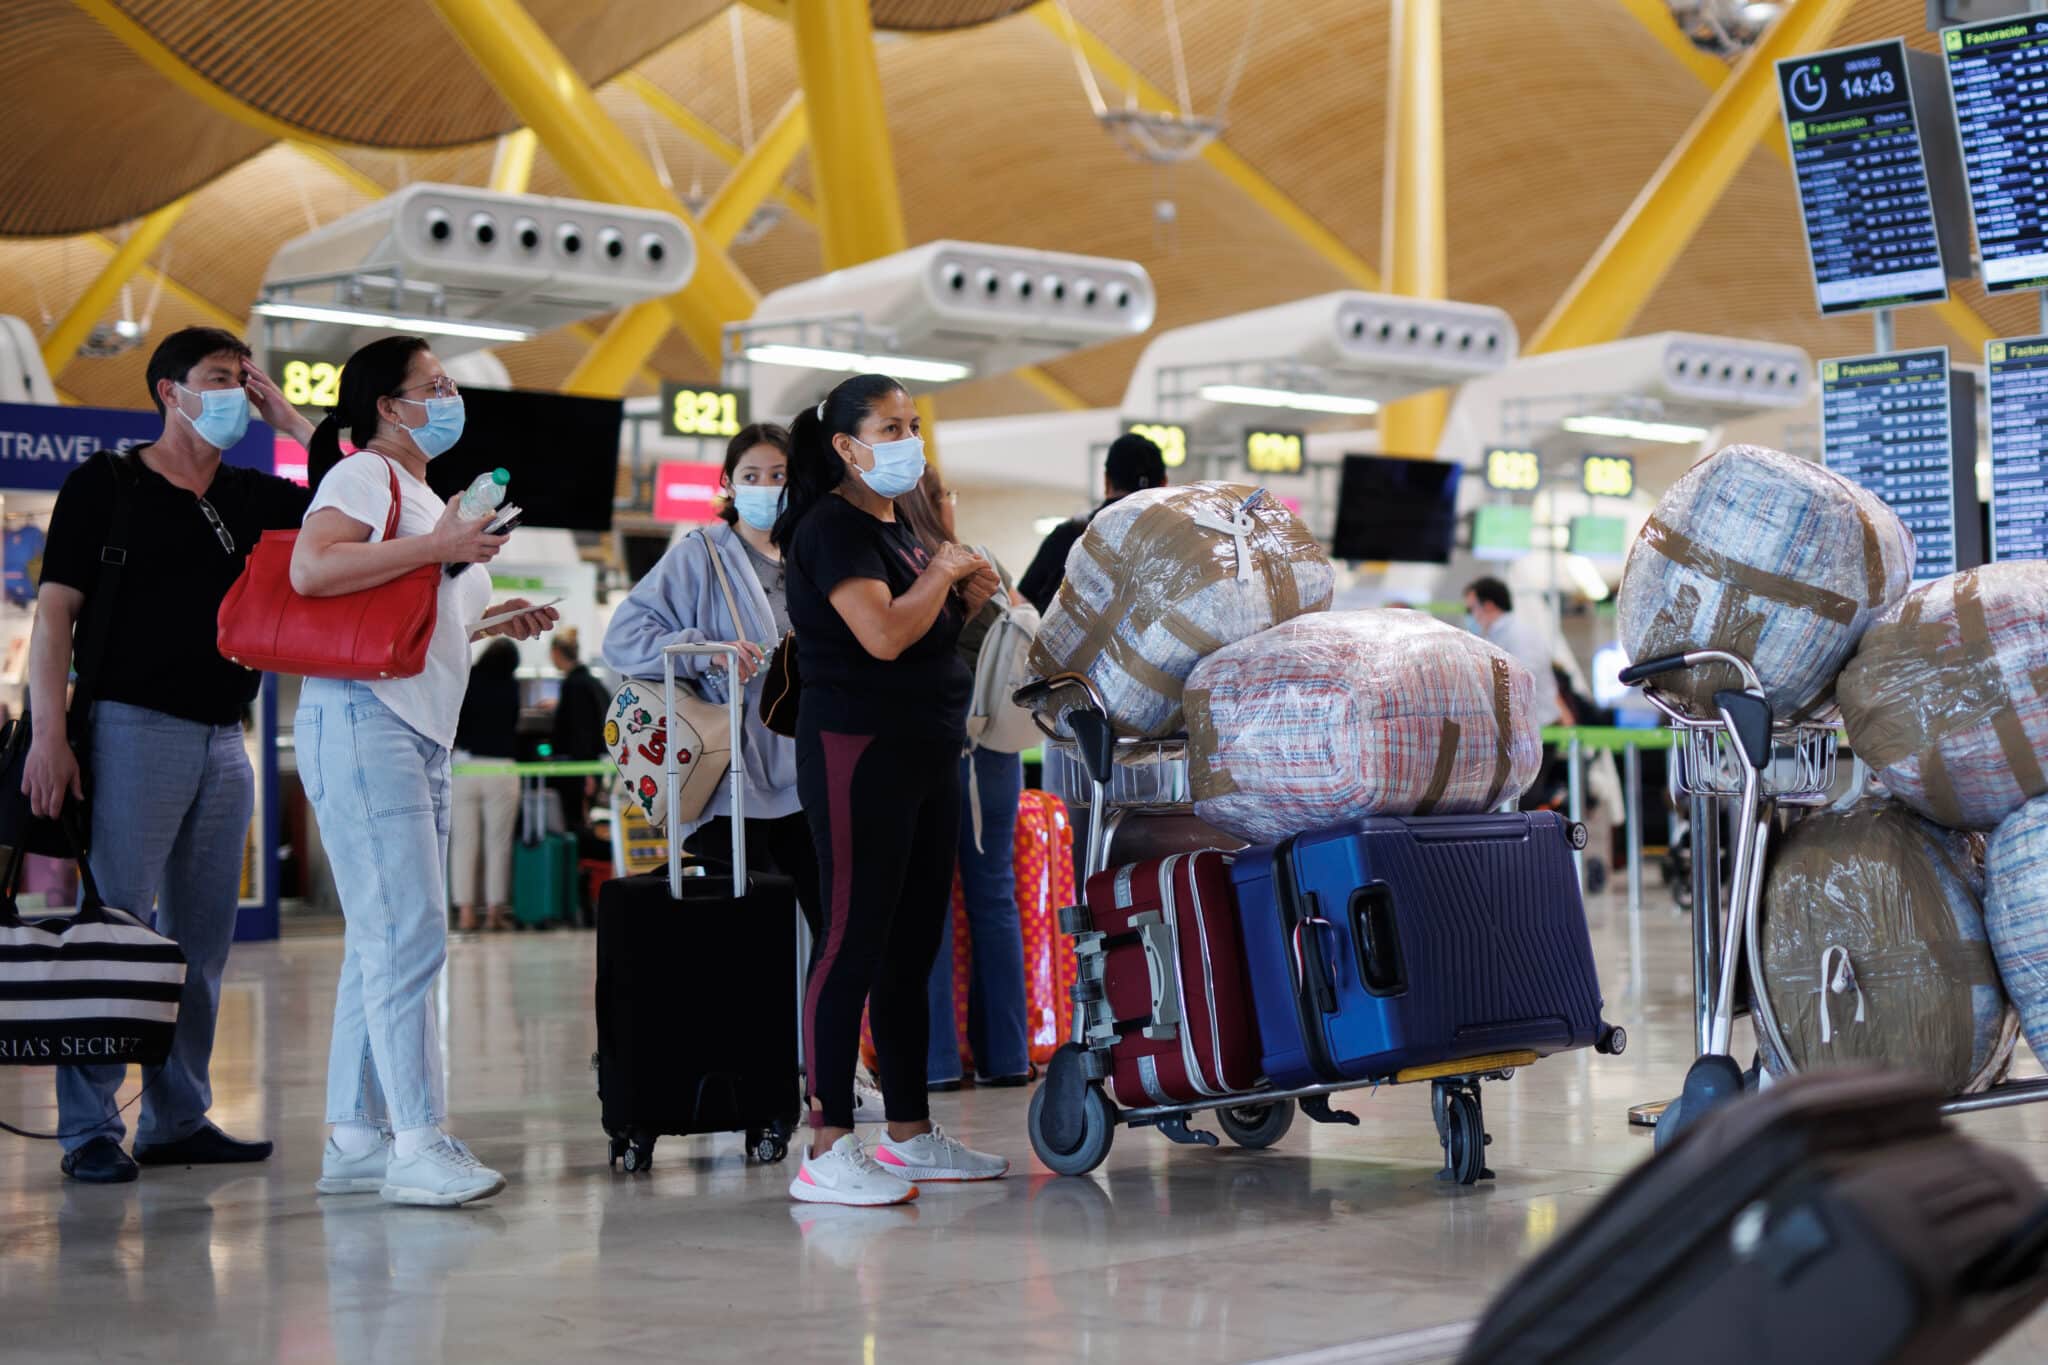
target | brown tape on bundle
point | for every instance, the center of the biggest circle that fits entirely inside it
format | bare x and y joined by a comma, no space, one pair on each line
1503,760
1683,551
1209,778
1446,763
1873,559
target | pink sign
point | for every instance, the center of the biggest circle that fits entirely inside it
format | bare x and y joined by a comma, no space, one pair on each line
685,491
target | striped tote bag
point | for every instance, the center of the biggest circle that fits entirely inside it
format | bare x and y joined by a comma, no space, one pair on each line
98,986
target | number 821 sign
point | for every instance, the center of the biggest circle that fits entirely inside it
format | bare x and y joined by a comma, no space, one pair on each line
688,410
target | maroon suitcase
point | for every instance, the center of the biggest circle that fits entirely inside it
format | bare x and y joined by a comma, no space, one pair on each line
1175,995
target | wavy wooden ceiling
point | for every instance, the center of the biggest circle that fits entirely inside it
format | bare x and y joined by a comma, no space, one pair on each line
1555,121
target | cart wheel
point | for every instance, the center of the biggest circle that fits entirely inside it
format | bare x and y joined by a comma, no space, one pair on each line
1256,1126
1464,1138
1613,1041
1098,1130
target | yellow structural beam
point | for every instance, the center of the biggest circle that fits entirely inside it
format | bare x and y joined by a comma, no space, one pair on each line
1413,233
852,163
620,352
512,167
211,313
1051,390
757,175
548,93
1276,204
60,347
1626,270
687,122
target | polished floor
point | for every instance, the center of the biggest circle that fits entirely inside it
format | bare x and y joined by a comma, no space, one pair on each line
1337,1245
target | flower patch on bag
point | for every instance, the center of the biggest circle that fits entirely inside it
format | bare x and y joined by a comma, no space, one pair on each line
636,736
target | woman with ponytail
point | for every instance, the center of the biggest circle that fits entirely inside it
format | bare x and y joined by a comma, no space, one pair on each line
877,616
374,758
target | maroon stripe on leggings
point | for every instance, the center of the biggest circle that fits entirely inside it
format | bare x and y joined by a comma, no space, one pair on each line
842,755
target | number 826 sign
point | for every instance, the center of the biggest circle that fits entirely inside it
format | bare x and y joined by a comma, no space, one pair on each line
687,410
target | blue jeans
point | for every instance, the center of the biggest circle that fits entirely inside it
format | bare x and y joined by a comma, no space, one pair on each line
379,789
170,815
997,1028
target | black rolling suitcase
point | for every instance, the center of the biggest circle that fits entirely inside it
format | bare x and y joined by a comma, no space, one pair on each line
1834,1218
697,997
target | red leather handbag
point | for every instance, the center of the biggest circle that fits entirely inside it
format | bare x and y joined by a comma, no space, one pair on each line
378,633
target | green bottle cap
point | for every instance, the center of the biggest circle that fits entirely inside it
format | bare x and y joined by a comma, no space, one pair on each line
501,477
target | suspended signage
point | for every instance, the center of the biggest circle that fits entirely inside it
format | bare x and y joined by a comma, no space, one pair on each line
309,380
1997,71
1608,476
1170,437
1513,471
686,492
692,410
1271,451
1502,530
1904,426
42,443
2019,447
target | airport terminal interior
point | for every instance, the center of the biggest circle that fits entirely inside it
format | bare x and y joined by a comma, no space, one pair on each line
1378,667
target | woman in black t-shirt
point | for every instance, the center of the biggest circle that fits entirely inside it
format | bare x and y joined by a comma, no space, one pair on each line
877,616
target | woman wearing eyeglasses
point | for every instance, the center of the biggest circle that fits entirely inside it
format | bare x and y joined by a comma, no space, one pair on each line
374,758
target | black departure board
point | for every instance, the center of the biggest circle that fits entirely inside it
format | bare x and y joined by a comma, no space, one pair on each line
1894,424
1998,72
2019,447
1858,154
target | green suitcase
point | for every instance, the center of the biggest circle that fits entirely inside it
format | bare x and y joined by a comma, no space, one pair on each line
544,889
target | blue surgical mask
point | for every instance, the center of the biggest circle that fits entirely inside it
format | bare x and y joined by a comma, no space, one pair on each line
758,505
223,415
443,427
898,466
1472,624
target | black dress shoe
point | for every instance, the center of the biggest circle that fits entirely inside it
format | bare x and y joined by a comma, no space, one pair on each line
101,1162
205,1145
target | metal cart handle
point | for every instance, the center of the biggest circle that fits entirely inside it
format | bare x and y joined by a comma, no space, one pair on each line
1087,724
1635,674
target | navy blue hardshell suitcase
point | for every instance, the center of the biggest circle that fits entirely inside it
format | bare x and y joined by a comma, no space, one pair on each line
1401,941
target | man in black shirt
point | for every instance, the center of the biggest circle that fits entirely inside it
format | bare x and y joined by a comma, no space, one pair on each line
577,735
171,783
1133,463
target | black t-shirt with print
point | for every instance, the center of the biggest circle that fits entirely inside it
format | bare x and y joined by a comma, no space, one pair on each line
925,691
162,651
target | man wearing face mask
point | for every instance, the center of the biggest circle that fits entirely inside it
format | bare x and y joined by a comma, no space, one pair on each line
172,788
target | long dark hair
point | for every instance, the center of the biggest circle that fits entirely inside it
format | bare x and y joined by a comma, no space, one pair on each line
919,509
376,371
815,468
759,434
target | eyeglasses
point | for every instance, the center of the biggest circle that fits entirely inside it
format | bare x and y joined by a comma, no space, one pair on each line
220,528
444,387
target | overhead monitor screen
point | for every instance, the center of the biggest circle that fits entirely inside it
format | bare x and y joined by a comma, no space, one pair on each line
2019,447
1862,171
1999,74
1392,508
562,452
1887,423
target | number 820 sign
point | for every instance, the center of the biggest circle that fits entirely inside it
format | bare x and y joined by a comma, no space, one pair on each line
687,410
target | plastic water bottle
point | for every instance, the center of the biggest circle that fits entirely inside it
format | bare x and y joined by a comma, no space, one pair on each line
483,495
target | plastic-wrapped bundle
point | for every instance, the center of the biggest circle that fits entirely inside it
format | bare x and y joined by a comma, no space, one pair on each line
1874,949
2016,914
1947,698
1769,557
1351,713
1165,578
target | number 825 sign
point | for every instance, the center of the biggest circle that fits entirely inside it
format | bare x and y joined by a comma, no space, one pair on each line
687,410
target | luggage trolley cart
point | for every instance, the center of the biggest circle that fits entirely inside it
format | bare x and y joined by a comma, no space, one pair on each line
1744,755
1073,1120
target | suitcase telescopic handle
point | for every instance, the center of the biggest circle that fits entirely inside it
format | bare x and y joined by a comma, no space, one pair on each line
736,786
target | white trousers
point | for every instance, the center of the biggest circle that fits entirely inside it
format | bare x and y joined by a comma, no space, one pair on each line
486,823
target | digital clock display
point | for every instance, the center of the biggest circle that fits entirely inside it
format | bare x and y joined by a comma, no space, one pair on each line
688,410
1268,451
1858,155
1513,471
1170,437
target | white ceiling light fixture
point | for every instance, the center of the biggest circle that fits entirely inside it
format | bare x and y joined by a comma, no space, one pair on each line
363,317
914,368
1633,429
1248,395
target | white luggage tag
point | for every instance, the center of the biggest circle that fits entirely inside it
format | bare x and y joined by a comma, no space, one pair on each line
1239,528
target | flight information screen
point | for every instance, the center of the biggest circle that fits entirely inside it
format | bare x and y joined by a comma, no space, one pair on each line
1999,73
1856,150
2019,447
1885,423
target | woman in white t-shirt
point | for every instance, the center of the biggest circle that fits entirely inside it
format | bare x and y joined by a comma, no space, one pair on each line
374,760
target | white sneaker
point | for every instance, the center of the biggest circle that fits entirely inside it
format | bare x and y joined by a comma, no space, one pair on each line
936,1157
846,1174
362,1173
440,1176
868,1106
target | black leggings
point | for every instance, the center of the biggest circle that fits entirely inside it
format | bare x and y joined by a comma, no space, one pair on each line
783,845
885,816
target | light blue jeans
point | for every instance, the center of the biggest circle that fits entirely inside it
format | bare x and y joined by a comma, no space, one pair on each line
379,789
170,814
997,1026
